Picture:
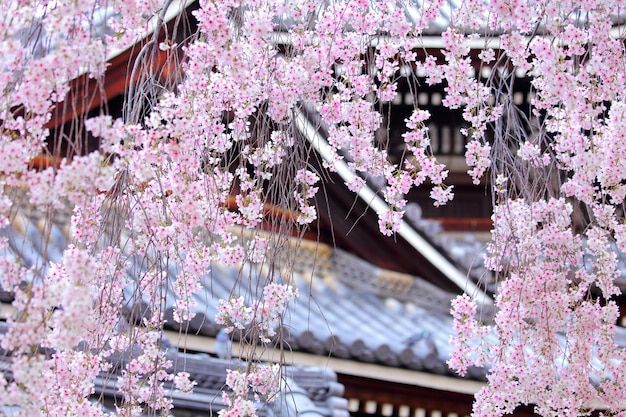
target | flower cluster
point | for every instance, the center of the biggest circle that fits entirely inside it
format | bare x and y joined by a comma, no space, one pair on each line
183,384
552,342
549,333
263,380
233,313
265,313
467,331
178,178
477,157
142,381
305,180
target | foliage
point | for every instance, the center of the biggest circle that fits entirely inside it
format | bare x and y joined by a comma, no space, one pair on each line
220,128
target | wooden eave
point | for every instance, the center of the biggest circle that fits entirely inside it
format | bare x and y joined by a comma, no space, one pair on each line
87,93
354,228
410,397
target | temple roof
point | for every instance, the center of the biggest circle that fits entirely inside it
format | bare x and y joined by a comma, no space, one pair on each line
311,390
347,309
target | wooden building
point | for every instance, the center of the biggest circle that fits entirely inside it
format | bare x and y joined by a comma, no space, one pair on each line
381,325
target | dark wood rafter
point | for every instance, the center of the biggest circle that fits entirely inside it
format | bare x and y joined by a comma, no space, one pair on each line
472,207
375,398
92,96
354,227
87,93
414,397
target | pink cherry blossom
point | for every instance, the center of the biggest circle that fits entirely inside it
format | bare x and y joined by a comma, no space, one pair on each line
204,148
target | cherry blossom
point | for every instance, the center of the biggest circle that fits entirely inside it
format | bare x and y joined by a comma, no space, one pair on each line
205,157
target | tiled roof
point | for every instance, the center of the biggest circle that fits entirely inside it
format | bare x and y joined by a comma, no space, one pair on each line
347,308
313,391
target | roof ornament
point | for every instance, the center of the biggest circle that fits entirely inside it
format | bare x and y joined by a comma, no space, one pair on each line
223,345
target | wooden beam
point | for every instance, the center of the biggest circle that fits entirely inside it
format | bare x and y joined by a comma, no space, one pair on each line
381,373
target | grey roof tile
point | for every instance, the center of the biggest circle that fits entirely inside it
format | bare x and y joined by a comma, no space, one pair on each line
347,308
